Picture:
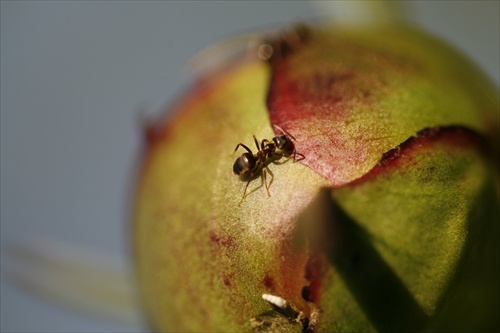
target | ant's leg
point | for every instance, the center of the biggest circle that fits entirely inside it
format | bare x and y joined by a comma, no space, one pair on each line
256,143
288,157
271,181
242,145
279,157
244,192
295,154
264,173
263,143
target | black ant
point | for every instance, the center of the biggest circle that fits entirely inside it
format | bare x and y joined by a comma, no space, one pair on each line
248,165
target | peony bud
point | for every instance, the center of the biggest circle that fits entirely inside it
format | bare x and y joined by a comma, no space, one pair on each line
382,217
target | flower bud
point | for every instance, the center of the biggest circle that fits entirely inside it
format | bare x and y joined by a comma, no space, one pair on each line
374,209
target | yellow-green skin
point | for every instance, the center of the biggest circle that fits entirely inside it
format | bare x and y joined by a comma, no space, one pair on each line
425,223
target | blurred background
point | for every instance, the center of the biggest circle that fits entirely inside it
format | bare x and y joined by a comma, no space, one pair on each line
74,78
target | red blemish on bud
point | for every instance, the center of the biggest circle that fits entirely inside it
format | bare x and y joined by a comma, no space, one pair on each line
213,236
226,242
269,283
227,280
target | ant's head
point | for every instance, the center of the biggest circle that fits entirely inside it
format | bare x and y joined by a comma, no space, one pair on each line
283,143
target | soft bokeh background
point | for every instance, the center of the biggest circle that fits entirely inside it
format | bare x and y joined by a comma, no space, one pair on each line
75,75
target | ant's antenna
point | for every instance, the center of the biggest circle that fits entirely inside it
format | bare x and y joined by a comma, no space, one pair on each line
285,132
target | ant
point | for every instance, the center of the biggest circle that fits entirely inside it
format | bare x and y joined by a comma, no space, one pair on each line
248,165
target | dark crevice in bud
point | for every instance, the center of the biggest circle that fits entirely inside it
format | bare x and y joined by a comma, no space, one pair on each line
377,288
306,293
344,244
311,292
457,135
315,265
313,273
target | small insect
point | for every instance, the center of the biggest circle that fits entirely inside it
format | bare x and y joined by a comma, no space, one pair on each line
248,165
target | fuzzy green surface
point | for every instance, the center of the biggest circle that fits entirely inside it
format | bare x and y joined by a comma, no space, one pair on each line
204,262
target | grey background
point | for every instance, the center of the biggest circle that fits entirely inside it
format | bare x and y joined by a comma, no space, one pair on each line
73,77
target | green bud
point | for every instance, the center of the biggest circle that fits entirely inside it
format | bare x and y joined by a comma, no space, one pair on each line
388,221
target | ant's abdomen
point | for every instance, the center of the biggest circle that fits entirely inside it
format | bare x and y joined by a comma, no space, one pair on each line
244,164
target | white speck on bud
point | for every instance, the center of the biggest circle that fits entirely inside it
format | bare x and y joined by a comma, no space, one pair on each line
275,300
